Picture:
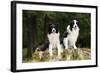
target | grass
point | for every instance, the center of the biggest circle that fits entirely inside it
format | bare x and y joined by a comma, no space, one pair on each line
66,55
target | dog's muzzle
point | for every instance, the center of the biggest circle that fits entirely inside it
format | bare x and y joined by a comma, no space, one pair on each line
53,30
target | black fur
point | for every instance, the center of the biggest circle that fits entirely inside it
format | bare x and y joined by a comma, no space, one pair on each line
65,34
71,25
44,46
51,26
78,23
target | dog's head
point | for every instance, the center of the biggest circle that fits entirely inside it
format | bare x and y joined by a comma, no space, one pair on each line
74,24
53,28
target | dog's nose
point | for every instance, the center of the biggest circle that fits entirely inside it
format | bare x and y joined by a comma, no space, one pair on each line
53,30
75,26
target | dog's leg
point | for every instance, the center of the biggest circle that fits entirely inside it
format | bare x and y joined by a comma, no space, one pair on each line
62,50
50,50
65,43
59,51
75,46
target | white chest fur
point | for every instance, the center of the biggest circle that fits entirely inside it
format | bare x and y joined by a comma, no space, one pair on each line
54,39
70,40
73,35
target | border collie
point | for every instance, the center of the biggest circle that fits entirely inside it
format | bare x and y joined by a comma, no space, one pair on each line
71,34
54,39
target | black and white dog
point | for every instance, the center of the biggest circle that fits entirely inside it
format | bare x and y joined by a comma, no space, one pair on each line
54,39
71,35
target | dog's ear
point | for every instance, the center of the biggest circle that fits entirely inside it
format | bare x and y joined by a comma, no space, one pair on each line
57,27
71,25
78,23
49,28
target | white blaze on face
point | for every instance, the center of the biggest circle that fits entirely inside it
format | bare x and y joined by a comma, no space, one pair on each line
75,26
75,23
53,30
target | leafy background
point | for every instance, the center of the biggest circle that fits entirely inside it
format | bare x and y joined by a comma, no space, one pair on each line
35,25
